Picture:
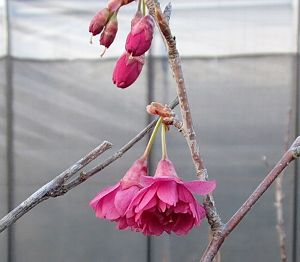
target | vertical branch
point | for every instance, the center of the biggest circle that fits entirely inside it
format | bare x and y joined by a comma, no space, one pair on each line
175,64
9,133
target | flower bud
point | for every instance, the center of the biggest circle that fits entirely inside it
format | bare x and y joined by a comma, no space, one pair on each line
99,21
140,37
138,16
114,5
127,70
110,31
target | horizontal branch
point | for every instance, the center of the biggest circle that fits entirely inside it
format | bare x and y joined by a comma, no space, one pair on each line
60,184
218,239
47,190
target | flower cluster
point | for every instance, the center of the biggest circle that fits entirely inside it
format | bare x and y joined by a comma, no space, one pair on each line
129,66
153,205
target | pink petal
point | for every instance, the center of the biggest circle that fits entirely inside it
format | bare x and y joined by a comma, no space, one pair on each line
152,203
150,193
103,193
167,192
200,187
122,223
193,208
181,207
184,224
108,208
184,194
135,201
152,225
123,199
162,206
201,211
146,181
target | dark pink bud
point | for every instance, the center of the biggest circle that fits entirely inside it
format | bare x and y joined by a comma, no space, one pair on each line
127,70
114,5
140,37
110,31
138,16
99,21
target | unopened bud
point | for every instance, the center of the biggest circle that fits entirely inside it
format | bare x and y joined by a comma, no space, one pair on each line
140,37
114,5
127,70
99,21
110,31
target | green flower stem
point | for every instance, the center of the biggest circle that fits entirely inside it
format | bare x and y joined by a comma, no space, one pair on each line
152,138
164,142
144,8
140,5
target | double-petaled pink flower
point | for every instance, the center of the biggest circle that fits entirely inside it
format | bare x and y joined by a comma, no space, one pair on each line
112,202
153,205
166,203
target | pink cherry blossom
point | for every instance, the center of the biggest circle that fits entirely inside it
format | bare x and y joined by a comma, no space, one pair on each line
140,37
112,202
99,21
166,203
127,70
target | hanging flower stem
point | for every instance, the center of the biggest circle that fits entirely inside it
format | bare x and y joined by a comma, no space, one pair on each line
164,142
144,7
140,5
152,138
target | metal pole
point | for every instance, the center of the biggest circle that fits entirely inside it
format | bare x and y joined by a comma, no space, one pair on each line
9,134
297,129
150,97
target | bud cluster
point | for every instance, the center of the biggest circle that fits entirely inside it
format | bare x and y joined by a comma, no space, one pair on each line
106,23
138,42
129,66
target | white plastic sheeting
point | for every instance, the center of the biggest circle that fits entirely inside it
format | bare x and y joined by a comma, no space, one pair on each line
47,29
2,28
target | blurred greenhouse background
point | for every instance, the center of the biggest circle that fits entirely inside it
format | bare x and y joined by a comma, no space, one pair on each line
240,59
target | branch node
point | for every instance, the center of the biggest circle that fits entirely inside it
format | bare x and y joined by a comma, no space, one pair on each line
296,151
202,173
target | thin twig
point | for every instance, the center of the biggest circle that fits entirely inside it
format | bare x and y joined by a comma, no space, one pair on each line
218,239
175,63
118,154
60,185
51,187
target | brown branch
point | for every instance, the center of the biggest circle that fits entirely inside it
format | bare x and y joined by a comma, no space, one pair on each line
175,64
61,185
218,239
